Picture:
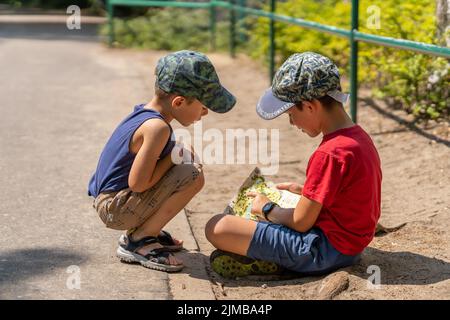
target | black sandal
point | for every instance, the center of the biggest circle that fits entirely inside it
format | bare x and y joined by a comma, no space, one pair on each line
157,259
167,241
164,238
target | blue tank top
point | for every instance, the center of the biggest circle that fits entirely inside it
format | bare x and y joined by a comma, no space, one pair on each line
115,161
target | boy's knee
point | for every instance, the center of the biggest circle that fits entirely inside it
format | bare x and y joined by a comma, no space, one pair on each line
189,175
216,226
199,180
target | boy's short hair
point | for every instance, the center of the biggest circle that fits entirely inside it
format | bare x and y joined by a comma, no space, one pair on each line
165,96
326,101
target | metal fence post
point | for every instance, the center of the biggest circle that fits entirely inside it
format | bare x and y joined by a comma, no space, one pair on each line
241,21
111,37
354,62
212,23
232,30
272,47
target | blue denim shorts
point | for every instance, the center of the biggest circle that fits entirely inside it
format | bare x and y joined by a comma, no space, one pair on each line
309,253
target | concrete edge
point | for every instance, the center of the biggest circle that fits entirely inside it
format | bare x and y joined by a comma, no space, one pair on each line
191,283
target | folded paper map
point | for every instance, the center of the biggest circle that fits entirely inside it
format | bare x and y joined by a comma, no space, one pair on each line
241,205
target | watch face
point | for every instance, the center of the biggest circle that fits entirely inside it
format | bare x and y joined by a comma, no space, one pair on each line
268,206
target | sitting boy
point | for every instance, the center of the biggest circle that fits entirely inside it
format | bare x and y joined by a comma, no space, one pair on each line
137,187
337,214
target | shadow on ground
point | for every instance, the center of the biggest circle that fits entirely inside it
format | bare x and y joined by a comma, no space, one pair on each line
194,262
49,31
396,268
403,268
411,125
17,266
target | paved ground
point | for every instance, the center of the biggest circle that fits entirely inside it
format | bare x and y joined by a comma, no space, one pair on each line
59,100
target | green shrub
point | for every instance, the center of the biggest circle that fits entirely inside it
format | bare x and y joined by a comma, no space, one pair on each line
169,29
419,83
403,76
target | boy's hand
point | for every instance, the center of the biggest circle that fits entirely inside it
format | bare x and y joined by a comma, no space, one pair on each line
193,157
258,203
291,187
185,154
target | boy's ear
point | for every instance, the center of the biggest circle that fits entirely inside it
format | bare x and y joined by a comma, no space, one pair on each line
310,106
178,101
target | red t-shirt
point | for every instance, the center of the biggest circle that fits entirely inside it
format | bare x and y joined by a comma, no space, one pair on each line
344,175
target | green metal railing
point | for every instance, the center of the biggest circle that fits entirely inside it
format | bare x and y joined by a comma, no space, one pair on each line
238,6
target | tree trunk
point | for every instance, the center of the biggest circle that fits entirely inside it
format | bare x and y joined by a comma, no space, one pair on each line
443,20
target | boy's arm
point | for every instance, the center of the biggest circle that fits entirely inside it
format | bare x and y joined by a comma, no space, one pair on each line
323,182
147,168
301,219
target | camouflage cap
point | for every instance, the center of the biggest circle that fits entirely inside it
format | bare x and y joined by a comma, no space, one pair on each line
191,74
302,77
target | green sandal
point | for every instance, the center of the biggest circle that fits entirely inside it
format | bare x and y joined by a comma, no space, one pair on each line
230,265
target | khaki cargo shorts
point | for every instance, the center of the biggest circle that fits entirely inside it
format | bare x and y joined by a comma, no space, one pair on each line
126,209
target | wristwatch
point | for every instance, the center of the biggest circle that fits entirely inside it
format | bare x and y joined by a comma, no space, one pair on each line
267,208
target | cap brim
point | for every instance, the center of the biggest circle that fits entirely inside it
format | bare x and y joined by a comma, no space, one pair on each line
339,96
221,101
269,107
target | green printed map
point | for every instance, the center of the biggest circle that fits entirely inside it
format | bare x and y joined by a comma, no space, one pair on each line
241,205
